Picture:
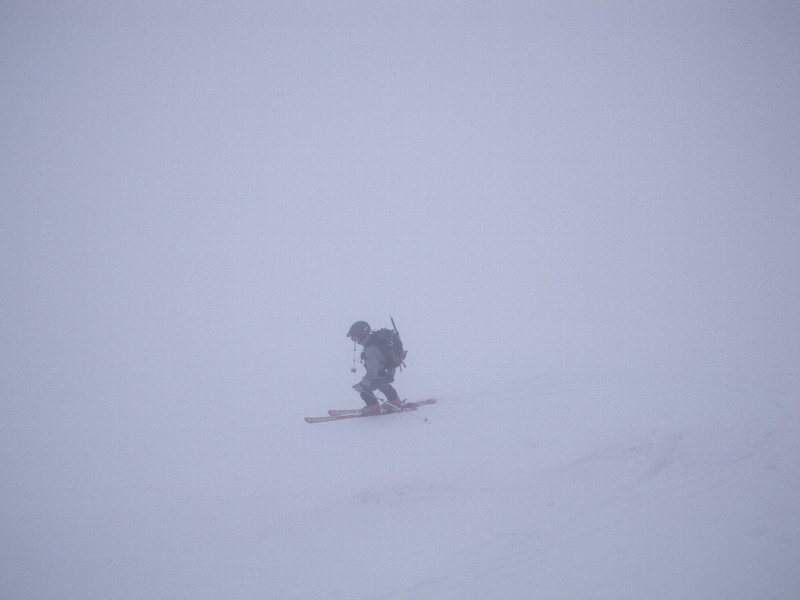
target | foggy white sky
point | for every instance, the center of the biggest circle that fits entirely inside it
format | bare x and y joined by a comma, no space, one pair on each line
582,174
192,188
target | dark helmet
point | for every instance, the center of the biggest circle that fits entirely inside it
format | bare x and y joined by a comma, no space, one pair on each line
359,330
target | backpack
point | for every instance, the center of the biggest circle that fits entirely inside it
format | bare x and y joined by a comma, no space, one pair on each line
390,344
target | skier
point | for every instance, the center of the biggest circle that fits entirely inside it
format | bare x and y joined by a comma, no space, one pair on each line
380,373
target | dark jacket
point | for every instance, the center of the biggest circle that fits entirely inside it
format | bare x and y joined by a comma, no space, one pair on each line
378,370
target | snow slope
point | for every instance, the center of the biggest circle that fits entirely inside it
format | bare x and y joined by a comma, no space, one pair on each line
612,485
493,500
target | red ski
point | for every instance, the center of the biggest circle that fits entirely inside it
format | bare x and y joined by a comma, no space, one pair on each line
339,415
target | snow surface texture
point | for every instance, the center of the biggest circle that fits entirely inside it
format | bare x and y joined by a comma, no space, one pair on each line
584,216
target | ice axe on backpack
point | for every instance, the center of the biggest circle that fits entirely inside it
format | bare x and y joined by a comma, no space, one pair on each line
405,352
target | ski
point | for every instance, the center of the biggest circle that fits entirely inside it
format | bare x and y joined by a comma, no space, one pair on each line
356,413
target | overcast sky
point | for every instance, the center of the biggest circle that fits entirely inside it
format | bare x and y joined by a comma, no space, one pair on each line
215,192
211,184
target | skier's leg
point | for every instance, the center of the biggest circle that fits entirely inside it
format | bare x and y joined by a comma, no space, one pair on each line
388,390
369,398
372,407
392,397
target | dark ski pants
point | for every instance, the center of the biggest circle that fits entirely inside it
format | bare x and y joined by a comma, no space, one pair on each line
384,387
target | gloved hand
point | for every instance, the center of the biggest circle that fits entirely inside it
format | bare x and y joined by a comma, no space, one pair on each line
359,388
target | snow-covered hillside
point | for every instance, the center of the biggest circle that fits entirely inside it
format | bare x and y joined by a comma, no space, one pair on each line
665,485
615,485
583,216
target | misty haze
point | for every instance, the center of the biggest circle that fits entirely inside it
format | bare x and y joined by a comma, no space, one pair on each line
584,218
